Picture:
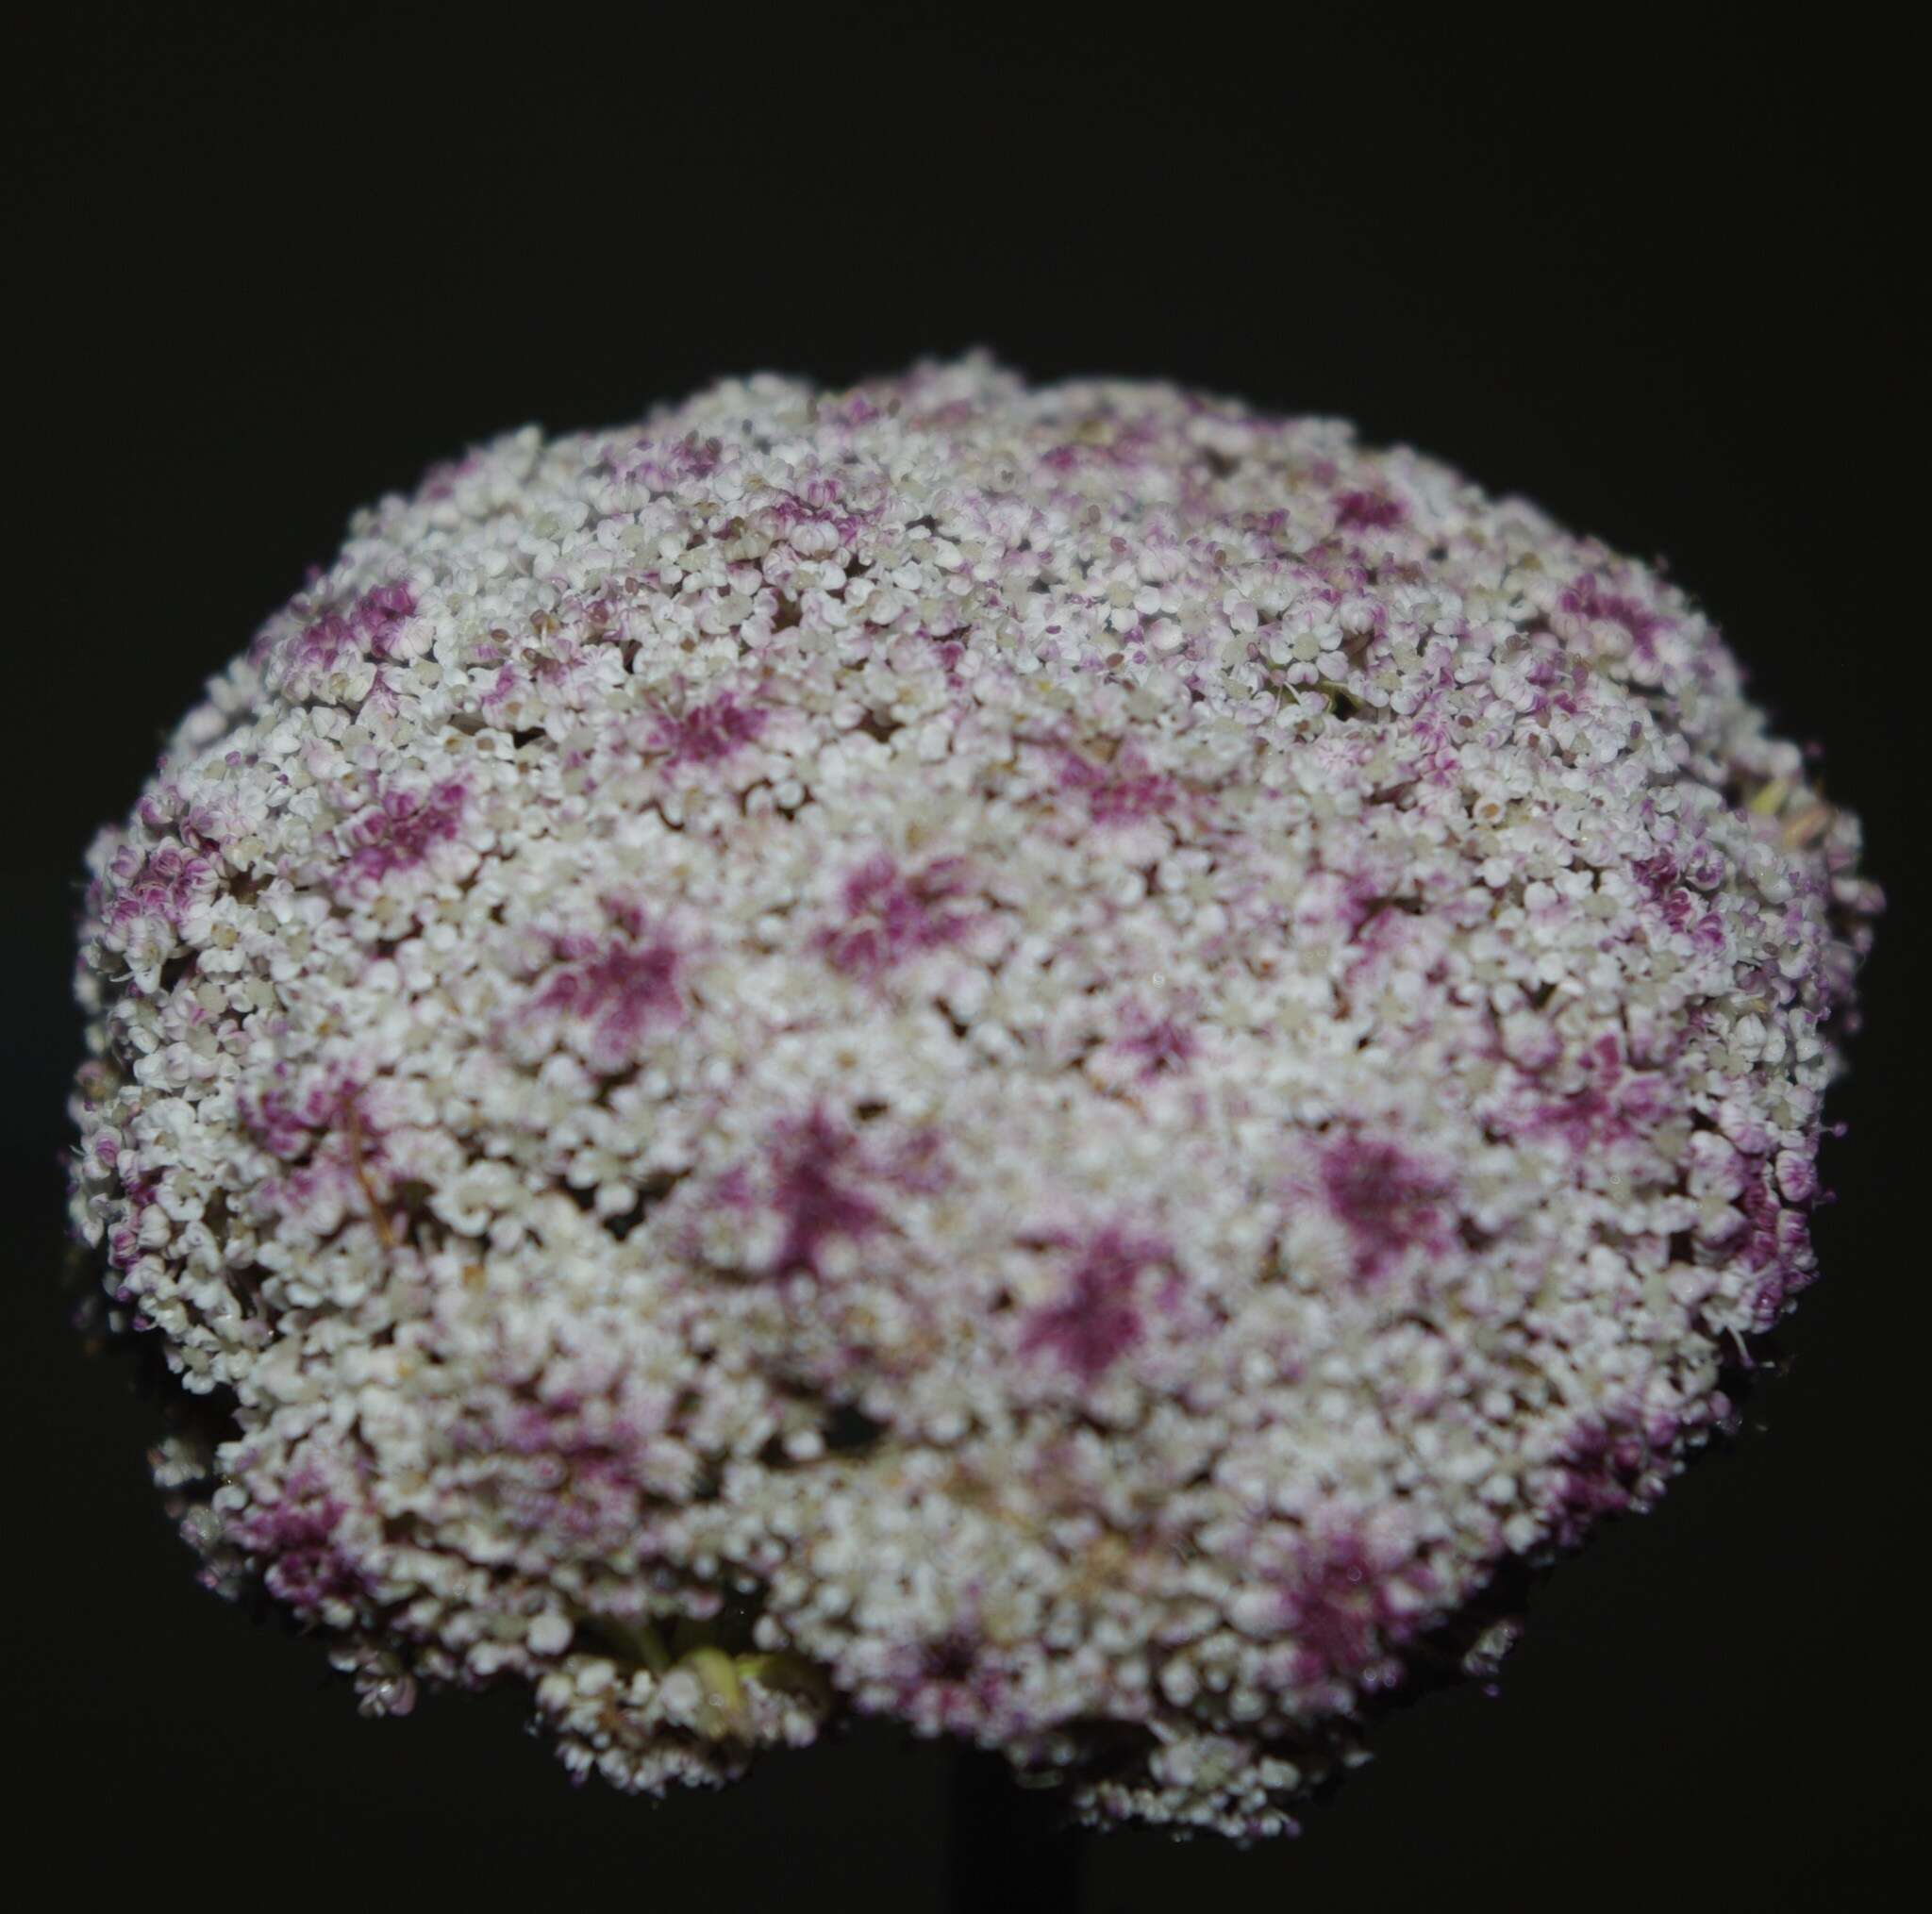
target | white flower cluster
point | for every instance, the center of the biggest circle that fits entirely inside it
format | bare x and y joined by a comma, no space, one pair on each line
1052,1062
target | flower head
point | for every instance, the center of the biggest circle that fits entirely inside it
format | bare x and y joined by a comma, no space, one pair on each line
1052,1061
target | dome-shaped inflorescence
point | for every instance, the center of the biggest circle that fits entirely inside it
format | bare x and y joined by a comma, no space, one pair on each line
1053,1062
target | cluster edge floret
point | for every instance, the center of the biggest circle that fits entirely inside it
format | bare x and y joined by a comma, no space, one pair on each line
1049,1061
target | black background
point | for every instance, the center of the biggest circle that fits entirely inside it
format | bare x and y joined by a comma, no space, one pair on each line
263,269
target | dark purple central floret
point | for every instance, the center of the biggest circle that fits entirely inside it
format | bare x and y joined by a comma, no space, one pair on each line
297,1536
622,988
1162,1044
164,885
380,613
892,914
1119,792
1342,1612
1366,511
336,638
286,1122
1587,599
1611,1105
399,830
709,732
810,1195
1388,1203
1098,1317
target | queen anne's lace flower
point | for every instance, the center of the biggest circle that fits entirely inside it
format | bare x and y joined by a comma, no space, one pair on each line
1052,1062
